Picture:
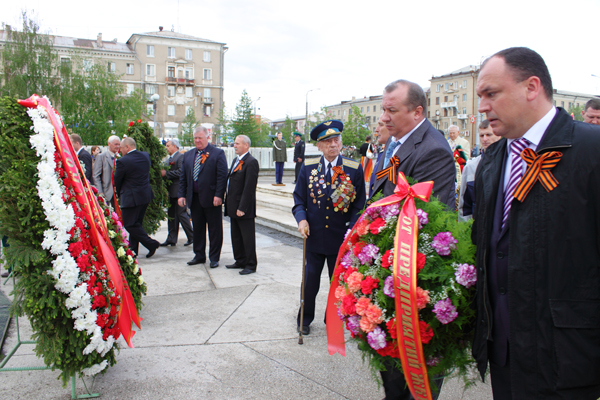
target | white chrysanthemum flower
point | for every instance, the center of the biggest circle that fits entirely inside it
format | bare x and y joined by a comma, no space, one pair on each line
121,252
95,369
141,280
136,268
112,234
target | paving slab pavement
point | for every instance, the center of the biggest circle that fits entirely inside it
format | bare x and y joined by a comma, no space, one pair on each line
214,334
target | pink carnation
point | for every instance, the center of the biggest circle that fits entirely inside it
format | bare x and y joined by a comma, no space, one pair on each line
366,325
374,314
362,304
422,298
353,281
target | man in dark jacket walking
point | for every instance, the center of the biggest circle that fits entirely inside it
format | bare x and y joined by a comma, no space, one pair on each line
536,230
298,154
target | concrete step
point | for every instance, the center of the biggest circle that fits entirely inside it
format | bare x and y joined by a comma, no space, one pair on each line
275,202
277,219
283,191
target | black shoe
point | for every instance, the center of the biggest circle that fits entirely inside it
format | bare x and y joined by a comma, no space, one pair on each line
305,330
214,264
188,242
151,252
294,182
234,266
247,271
196,261
167,244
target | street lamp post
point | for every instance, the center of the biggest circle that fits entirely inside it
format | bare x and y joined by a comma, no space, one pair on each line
306,116
155,97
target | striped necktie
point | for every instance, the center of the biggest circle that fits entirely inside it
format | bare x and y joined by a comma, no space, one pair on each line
516,173
197,164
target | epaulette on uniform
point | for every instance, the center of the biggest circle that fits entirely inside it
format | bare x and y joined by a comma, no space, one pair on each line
311,161
350,163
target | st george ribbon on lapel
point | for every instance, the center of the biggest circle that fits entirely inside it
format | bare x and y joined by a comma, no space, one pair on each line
389,152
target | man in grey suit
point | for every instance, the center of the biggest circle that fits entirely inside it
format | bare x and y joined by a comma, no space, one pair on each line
103,169
415,147
177,215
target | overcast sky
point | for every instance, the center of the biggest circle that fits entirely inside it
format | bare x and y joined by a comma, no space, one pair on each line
279,50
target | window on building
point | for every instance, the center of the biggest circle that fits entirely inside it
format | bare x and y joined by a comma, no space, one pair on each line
188,73
445,126
189,92
464,124
367,108
207,93
447,85
361,109
429,101
171,109
569,105
368,120
130,88
437,101
456,85
207,74
171,91
562,104
464,97
187,109
454,112
129,69
87,65
150,50
464,110
171,72
445,112
188,54
150,70
465,84
455,97
445,99
207,110
438,87
150,109
111,67
171,52
65,65
338,113
374,108
151,89
428,114
207,56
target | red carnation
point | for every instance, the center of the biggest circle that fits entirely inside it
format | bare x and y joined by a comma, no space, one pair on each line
99,302
354,237
376,226
391,327
131,123
426,332
421,259
368,284
358,248
348,304
139,121
388,258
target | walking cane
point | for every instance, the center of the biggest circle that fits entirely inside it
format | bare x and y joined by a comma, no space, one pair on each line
300,339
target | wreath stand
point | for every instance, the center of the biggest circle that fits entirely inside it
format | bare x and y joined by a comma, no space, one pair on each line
20,342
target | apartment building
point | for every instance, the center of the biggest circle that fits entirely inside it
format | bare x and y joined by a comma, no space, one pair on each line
369,106
184,71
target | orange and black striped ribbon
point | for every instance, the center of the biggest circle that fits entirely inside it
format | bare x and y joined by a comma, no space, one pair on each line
390,171
203,157
538,168
239,166
337,171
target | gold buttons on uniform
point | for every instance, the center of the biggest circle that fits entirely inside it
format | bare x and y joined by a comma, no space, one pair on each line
326,226
327,217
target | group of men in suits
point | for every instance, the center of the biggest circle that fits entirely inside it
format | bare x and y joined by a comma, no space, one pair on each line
204,184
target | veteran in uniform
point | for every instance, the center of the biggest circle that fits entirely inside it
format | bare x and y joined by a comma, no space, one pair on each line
329,194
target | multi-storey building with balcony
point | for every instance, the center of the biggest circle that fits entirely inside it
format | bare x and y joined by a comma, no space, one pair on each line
185,71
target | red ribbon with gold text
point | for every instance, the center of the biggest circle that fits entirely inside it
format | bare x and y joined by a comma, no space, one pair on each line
94,217
538,168
405,287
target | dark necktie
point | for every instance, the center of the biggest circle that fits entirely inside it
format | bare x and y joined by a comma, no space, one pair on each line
516,173
197,164
328,176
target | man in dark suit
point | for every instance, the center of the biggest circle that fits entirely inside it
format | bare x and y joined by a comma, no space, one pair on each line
177,215
417,148
323,181
202,188
240,206
537,237
132,185
298,154
85,158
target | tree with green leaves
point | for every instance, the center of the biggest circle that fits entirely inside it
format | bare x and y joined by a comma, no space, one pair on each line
94,105
186,138
355,129
28,62
244,122
576,111
221,130
289,126
315,119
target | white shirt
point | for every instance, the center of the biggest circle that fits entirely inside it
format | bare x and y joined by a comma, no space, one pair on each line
534,135
405,137
333,163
